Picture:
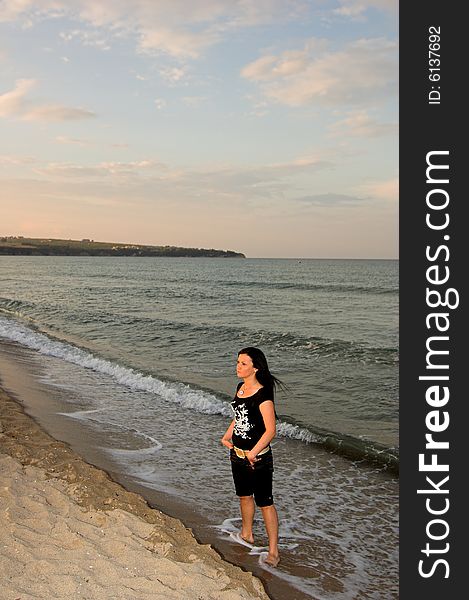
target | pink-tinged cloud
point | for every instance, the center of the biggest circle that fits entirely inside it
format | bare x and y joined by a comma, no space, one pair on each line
178,28
360,124
57,113
357,8
364,70
15,104
387,190
12,103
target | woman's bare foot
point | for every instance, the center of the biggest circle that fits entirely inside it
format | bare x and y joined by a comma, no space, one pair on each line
272,559
247,538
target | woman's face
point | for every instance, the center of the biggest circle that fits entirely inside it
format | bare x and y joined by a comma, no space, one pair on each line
244,366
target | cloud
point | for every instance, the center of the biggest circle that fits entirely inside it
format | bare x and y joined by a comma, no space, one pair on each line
12,103
387,190
360,124
173,75
52,112
250,175
9,161
92,39
365,70
357,8
330,200
177,43
178,28
62,139
262,69
207,186
104,171
264,181
15,104
11,10
194,101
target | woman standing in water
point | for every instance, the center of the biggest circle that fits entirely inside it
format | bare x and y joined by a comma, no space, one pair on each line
248,437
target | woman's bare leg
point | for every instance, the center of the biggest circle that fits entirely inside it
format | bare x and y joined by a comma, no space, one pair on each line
248,508
271,524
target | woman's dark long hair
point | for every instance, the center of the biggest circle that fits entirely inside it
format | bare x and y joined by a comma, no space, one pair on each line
263,375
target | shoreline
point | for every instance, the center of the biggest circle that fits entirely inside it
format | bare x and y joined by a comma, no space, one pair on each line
67,492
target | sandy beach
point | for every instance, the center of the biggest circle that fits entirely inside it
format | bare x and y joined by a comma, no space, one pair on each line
68,530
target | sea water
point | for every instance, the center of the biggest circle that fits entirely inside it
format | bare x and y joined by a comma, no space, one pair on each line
143,353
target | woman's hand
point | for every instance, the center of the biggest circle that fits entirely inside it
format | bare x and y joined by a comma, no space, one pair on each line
227,443
252,458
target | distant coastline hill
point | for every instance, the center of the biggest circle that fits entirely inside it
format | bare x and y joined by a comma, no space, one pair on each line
18,245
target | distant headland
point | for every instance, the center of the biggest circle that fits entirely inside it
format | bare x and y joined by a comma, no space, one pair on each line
18,245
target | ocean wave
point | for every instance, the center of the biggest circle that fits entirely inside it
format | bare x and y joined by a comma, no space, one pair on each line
177,393
190,398
330,287
354,448
144,328
15,307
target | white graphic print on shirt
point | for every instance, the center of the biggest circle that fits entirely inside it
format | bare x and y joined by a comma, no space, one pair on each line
242,424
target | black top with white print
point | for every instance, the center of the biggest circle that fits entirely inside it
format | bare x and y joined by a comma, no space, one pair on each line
249,424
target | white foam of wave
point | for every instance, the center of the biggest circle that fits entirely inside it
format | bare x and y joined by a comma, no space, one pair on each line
177,393
232,527
150,477
83,415
296,432
80,415
155,445
136,452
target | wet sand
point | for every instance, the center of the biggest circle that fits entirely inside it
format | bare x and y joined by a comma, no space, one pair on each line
69,530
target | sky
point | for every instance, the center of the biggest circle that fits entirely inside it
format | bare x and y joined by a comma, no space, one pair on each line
268,127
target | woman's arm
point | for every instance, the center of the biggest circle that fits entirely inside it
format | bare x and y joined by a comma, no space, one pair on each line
268,414
226,439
